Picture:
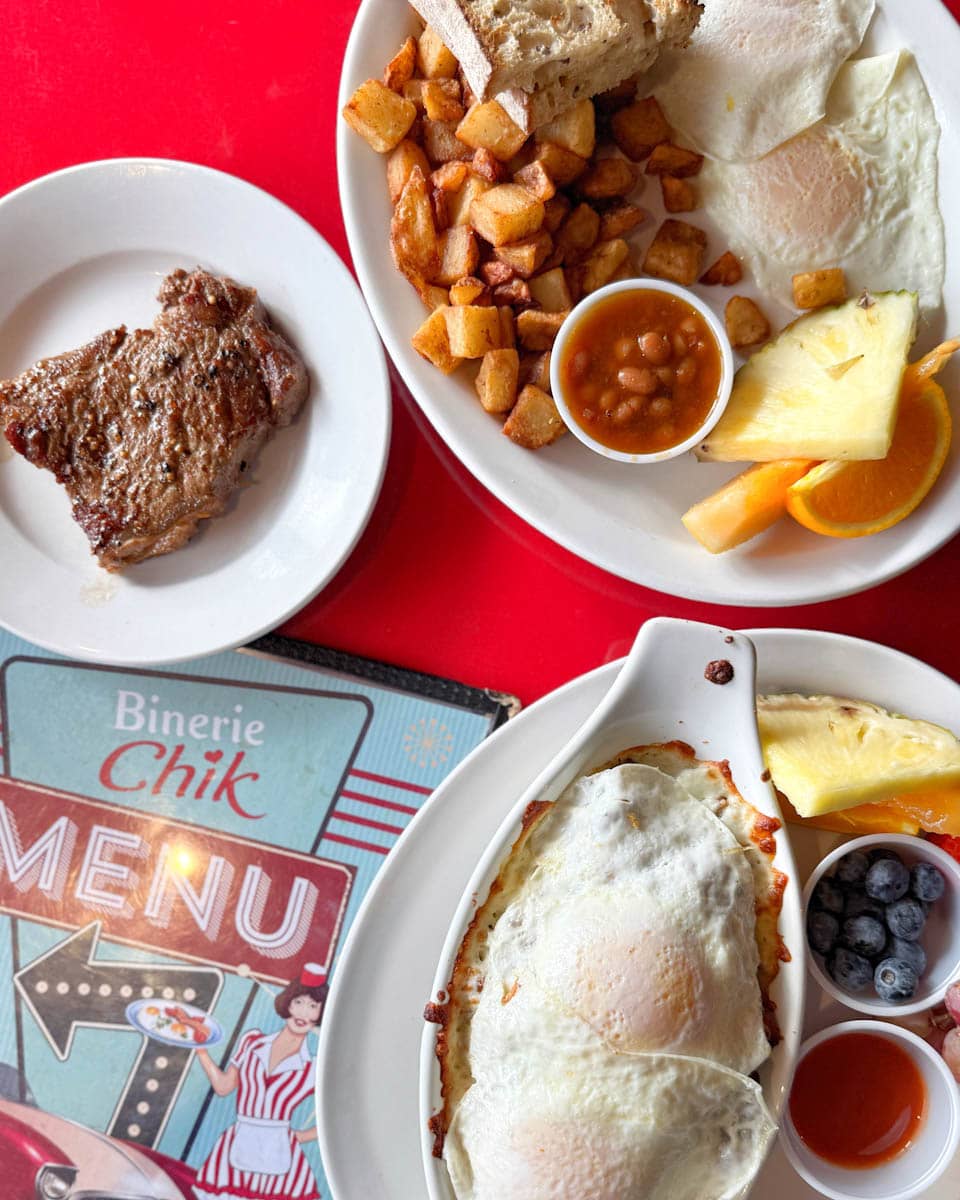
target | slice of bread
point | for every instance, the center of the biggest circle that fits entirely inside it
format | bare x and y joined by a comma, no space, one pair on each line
537,57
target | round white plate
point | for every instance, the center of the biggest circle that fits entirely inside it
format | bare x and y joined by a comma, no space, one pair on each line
143,1023
619,516
84,250
368,1102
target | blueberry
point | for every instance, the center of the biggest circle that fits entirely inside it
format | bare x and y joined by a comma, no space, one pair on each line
858,904
905,918
852,868
926,882
895,980
849,970
865,935
887,880
881,852
912,953
828,895
823,929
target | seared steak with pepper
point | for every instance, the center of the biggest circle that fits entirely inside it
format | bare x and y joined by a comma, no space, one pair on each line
150,431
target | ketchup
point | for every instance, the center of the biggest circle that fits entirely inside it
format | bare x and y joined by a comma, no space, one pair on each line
857,1100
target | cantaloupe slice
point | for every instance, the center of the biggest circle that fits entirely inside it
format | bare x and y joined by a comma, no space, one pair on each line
746,505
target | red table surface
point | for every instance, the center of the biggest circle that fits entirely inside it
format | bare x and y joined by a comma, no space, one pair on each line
445,579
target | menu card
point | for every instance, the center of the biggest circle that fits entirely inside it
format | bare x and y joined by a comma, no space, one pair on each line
182,851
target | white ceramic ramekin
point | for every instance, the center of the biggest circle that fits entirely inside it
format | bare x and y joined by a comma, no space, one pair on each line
715,326
923,1160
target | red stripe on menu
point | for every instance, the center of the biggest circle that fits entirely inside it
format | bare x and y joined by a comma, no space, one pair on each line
381,825
397,783
348,841
392,804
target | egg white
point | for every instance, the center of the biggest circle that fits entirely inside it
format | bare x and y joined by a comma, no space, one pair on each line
757,72
857,190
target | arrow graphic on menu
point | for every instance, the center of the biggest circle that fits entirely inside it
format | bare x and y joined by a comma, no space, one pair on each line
68,987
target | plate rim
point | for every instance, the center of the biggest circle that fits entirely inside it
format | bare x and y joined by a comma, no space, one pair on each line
340,1187
847,583
379,449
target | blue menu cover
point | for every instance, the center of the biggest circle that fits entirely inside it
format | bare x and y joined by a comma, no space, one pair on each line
182,851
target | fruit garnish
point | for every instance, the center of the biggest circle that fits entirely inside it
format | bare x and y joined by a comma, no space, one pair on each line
746,505
947,842
828,754
853,499
825,388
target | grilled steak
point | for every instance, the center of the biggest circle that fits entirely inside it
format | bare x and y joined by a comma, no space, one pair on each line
150,431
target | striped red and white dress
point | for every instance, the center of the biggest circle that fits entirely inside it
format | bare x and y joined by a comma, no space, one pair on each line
266,1102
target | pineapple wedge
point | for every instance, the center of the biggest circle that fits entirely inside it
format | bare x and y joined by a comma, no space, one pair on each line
826,388
827,754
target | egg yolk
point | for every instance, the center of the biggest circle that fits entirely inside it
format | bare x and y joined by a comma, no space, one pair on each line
568,1160
811,189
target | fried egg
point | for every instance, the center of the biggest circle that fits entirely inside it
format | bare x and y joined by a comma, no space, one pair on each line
608,995
857,190
757,72
654,1127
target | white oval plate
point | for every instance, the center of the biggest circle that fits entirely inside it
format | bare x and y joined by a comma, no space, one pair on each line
621,517
141,1021
84,250
368,1109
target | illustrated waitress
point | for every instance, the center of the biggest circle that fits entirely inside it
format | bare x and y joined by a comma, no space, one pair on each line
260,1156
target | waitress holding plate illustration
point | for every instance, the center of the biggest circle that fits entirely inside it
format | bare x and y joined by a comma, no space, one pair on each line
259,1156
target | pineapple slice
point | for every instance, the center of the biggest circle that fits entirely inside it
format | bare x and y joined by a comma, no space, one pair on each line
826,388
827,754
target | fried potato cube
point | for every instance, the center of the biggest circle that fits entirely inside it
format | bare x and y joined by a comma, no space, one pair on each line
817,289
578,233
620,219
434,60
508,331
562,165
535,369
525,257
412,90
432,342
537,330
676,252
679,195
442,144
605,259
469,290
496,382
413,234
639,127
487,126
379,115
746,324
494,272
575,129
432,295
555,212
507,213
450,176
536,178
608,177
485,164
400,162
441,100
550,291
459,254
459,202
400,68
473,329
726,271
667,159
534,420
514,294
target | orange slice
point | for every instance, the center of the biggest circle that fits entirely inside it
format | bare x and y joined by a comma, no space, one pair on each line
852,499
